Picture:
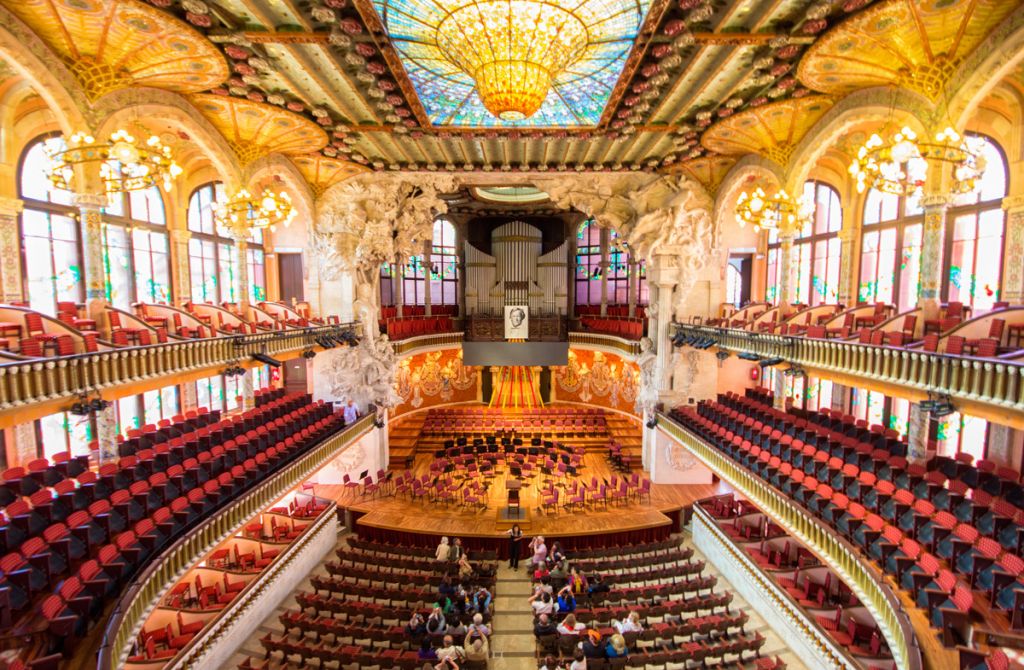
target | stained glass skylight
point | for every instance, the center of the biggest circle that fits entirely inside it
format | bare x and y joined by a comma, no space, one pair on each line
577,96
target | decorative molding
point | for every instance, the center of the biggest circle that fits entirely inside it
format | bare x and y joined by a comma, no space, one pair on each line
11,207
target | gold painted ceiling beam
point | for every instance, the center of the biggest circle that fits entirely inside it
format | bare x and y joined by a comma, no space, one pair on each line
321,37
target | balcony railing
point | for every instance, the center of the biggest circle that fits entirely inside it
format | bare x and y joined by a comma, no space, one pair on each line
836,552
986,381
47,379
607,342
426,342
147,588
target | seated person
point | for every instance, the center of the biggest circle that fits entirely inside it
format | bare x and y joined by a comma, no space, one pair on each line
544,626
631,624
566,600
570,626
616,647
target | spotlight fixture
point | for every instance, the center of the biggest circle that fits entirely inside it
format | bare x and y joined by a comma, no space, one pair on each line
308,354
795,371
268,360
652,423
234,371
80,409
938,405
379,423
722,354
769,362
748,356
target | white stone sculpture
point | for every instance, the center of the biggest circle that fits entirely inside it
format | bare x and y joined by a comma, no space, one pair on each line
647,394
365,373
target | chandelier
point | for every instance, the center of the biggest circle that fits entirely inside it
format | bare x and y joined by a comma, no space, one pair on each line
124,163
513,49
780,211
243,210
900,166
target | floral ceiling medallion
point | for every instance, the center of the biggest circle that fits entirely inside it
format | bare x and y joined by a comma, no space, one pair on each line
557,69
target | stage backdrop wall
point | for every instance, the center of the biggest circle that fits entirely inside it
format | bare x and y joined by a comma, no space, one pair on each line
435,378
596,378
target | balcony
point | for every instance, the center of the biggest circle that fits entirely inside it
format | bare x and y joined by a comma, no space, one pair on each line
988,387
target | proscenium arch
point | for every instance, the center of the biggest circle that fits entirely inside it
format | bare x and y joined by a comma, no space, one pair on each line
143,103
32,59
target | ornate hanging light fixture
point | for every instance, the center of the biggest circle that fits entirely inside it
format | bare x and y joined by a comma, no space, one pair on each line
779,211
513,49
125,164
269,210
900,165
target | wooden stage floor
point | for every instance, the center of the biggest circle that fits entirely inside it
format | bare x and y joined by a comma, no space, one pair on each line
421,516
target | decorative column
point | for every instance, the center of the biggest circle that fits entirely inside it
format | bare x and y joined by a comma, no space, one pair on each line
840,398
605,234
10,251
182,280
664,276
932,246
398,288
917,436
779,391
1001,439
189,400
632,270
847,290
89,205
25,447
426,277
786,295
1013,277
248,392
240,234
106,435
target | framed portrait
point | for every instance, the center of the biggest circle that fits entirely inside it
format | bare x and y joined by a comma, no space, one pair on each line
517,322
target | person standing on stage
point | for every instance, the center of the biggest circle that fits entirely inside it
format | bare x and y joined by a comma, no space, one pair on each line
515,539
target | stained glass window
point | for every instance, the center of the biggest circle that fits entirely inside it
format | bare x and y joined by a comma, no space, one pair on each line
771,285
210,392
890,259
962,433
868,406
733,285
387,289
260,377
974,234
588,263
257,270
64,432
160,404
577,96
413,276
136,263
211,251
232,392
444,265
52,264
816,251
818,394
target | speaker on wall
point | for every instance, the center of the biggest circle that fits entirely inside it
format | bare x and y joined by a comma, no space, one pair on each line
545,385
486,388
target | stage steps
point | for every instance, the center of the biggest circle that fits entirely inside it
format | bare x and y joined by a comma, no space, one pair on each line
626,432
403,439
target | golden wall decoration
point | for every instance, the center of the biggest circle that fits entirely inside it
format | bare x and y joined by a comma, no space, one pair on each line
255,129
708,170
434,378
772,130
914,44
597,378
114,44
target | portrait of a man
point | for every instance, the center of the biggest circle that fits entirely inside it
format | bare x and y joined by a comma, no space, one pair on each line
517,323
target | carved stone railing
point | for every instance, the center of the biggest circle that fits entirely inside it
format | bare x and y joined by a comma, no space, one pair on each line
46,379
987,381
611,343
164,570
842,557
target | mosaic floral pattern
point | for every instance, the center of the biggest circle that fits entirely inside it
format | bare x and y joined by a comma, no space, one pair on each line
577,97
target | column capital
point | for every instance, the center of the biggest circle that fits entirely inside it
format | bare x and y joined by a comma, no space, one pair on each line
11,206
90,200
935,200
846,233
1011,203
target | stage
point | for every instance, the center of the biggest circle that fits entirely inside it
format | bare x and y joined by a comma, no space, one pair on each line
395,517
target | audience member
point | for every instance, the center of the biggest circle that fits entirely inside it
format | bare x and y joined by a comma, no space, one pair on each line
436,622
566,600
542,603
482,600
426,652
577,581
416,626
579,661
450,651
515,540
476,647
442,550
591,643
616,647
540,551
555,555
550,663
478,626
544,626
465,569
455,551
570,626
631,624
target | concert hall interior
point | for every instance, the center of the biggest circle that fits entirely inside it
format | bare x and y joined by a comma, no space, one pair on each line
511,334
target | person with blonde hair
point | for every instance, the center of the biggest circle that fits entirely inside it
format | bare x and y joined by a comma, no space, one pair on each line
441,554
616,647
630,625
570,626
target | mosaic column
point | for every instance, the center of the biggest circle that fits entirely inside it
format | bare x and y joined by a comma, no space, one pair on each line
917,436
847,290
25,448
180,271
786,285
840,398
241,237
1000,444
189,400
633,270
779,391
10,250
89,206
106,435
1013,266
248,392
932,246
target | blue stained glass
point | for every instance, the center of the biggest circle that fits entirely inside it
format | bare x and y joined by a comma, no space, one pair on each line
577,97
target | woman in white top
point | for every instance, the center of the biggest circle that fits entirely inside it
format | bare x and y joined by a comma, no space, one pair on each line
542,603
630,625
570,626
442,550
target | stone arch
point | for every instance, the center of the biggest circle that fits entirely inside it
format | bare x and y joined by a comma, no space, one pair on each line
124,105
277,165
875,104
32,59
746,169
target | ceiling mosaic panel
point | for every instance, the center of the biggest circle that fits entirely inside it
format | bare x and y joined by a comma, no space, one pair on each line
772,130
577,96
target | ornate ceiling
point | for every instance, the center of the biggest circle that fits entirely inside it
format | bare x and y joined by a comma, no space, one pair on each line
685,86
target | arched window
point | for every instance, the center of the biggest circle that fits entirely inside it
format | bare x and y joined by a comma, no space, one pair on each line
136,262
256,262
413,278
211,254
733,285
588,263
620,265
890,252
816,250
49,236
975,226
771,284
444,265
387,292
